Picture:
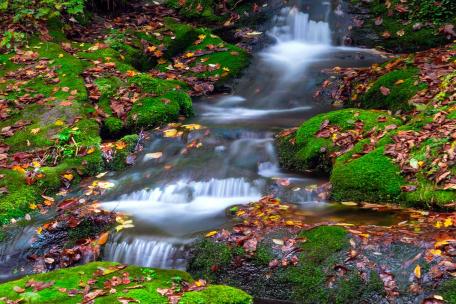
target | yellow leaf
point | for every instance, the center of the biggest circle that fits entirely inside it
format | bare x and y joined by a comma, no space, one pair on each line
399,82
32,206
436,252
120,145
438,224
68,176
36,164
170,133
60,55
35,131
192,127
131,73
39,230
58,122
189,55
226,69
201,37
365,235
417,271
448,222
212,233
103,238
18,169
90,150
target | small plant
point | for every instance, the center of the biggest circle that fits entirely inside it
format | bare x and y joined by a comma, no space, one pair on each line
12,40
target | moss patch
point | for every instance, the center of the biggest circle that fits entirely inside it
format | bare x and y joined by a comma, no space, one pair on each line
72,278
304,151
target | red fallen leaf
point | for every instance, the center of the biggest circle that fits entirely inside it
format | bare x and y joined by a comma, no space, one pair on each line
384,90
68,203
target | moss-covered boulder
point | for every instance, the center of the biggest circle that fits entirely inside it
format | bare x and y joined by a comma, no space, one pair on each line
307,282
402,26
392,91
318,141
107,282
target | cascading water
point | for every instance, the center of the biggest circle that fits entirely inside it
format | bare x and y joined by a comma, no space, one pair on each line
241,161
237,162
176,197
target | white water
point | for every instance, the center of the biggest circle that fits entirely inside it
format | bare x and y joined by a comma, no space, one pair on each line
186,203
150,252
300,42
170,215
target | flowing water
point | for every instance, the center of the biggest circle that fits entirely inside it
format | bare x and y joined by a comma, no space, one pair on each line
236,163
182,194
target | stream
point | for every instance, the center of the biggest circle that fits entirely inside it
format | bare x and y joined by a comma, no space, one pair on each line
175,198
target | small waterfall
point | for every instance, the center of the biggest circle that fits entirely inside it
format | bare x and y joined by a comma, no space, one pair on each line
189,205
293,25
146,252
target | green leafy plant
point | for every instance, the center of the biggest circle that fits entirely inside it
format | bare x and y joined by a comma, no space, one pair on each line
12,40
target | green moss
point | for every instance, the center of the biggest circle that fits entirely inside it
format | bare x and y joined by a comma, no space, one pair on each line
72,278
209,256
372,177
263,255
151,112
155,86
448,291
215,295
16,202
400,93
319,252
312,153
113,126
232,61
184,36
119,160
202,10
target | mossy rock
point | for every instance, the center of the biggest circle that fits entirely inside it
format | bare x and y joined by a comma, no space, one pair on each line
303,151
201,10
402,84
403,36
304,283
72,278
372,177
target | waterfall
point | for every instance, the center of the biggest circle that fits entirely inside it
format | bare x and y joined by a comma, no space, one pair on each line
146,252
293,25
186,204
